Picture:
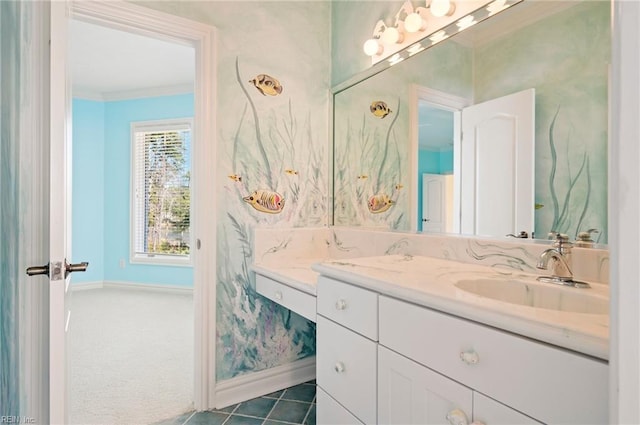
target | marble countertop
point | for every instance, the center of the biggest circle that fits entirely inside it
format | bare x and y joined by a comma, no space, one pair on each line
430,282
297,274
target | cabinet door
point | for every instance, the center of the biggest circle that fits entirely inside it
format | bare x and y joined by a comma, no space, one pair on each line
409,393
330,412
490,412
346,368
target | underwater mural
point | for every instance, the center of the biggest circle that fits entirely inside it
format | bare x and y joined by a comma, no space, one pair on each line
368,171
271,140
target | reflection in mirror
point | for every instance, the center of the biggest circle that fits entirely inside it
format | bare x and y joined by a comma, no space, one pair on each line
435,168
559,49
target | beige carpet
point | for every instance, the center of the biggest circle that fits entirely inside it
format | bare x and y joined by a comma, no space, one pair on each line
130,356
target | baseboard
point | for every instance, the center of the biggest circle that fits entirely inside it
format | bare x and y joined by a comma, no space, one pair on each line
173,289
246,387
83,286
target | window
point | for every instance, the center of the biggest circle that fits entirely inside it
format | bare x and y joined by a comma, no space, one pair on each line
161,191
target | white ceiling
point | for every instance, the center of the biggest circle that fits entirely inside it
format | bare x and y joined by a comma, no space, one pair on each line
435,128
109,64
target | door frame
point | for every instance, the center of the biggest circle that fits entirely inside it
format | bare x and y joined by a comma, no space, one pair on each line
445,101
144,21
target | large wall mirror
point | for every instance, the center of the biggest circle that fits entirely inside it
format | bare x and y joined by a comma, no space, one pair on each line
498,129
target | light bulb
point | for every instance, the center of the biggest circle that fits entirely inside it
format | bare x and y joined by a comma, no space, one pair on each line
372,47
414,23
440,8
391,35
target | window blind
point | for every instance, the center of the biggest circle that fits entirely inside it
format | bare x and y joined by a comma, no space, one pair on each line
162,192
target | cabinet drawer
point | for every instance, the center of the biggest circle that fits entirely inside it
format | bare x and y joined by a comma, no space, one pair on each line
296,301
487,411
349,305
547,383
330,412
346,368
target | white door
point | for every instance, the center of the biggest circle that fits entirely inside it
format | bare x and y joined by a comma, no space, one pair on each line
497,165
437,203
434,197
409,393
59,211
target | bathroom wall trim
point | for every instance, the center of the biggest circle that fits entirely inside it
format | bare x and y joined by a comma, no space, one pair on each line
245,387
116,284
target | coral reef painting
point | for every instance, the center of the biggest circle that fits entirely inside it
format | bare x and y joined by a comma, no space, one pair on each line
272,139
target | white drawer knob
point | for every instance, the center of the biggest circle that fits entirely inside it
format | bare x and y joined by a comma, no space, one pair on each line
339,367
341,304
469,357
457,417
278,295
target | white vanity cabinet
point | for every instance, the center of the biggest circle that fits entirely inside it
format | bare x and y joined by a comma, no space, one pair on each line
409,393
346,356
388,361
549,384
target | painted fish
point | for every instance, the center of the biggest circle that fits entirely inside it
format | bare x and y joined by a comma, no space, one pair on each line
267,85
380,109
363,177
265,201
399,186
538,206
379,203
291,172
235,177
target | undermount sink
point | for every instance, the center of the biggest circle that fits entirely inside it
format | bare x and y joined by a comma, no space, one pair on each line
537,295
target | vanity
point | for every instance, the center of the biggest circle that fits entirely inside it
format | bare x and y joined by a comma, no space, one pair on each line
421,336
430,328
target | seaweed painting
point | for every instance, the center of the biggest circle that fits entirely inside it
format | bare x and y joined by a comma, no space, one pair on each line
569,209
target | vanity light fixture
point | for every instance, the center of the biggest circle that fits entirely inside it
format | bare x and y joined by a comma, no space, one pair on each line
497,6
372,46
414,22
439,36
395,59
466,22
415,48
392,35
440,8
416,29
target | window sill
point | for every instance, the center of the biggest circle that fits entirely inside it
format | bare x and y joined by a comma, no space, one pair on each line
161,260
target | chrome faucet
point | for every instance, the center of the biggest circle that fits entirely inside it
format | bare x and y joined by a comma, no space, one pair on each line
560,254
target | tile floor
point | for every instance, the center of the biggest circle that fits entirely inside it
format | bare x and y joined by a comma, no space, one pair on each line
295,405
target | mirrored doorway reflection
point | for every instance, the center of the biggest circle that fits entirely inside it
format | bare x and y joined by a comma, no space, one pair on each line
435,168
